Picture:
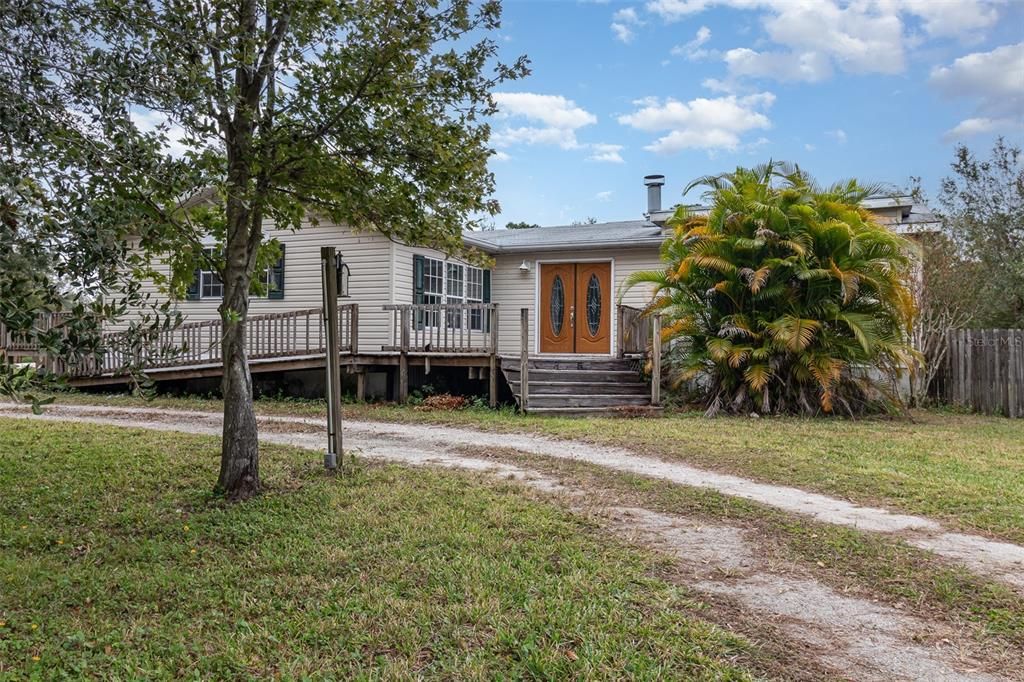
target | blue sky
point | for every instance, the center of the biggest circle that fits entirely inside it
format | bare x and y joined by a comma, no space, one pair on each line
880,90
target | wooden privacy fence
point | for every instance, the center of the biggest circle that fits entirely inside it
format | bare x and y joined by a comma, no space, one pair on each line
288,334
984,370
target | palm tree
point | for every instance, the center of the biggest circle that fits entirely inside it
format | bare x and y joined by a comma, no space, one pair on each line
785,296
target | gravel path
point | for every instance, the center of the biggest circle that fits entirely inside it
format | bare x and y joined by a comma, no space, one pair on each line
855,637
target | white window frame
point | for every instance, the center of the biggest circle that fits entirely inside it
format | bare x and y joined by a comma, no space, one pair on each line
209,278
454,289
474,289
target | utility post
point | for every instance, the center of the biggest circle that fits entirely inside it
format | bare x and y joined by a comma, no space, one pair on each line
329,272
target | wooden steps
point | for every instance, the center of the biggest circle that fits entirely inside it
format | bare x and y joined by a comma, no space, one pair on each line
597,387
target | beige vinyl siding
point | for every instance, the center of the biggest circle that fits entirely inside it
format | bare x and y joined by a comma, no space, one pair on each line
402,268
367,254
513,289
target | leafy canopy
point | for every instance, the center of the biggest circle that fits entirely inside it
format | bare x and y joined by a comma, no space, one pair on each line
982,212
371,113
782,293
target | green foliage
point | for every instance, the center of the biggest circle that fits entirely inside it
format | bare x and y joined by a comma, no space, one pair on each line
783,296
520,225
371,114
982,211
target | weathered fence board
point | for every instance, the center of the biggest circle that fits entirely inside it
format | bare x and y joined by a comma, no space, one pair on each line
984,370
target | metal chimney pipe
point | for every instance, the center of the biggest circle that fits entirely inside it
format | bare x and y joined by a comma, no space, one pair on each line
654,183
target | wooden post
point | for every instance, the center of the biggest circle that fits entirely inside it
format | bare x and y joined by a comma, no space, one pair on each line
656,361
492,376
524,359
329,271
403,358
1012,372
361,385
620,331
355,328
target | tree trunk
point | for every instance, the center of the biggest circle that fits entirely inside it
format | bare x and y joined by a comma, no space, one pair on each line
239,461
246,190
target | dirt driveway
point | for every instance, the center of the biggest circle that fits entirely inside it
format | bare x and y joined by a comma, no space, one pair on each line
835,634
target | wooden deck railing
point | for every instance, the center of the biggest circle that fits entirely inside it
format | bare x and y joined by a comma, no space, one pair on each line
456,328
13,343
640,336
444,328
634,332
274,335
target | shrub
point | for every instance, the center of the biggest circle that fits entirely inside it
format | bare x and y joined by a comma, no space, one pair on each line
785,297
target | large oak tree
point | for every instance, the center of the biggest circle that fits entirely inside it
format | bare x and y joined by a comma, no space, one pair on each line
370,113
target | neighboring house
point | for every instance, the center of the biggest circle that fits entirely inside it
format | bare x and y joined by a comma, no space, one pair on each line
572,275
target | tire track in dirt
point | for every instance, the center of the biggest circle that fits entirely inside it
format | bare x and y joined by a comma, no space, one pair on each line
856,637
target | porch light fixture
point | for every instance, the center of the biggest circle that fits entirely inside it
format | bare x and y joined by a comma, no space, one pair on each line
524,267
344,272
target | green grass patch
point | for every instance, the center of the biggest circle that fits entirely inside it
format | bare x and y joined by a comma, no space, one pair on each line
872,565
967,470
116,562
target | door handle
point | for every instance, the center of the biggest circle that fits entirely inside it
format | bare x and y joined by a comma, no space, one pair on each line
572,316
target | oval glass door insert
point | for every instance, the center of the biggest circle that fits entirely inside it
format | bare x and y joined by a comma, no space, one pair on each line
556,307
594,305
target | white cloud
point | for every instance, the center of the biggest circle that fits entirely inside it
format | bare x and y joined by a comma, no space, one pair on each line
785,66
673,10
809,147
995,78
627,15
624,23
604,196
559,119
501,156
995,81
148,121
693,50
839,135
606,153
623,33
951,19
701,123
716,85
980,126
809,39
856,38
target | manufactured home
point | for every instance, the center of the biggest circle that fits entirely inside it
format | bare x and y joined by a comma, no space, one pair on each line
554,304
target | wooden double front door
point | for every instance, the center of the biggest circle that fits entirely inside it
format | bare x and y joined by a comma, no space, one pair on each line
574,311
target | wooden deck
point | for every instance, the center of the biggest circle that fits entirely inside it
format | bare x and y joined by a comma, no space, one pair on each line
455,335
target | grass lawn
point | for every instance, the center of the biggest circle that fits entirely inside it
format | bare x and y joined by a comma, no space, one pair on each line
116,562
853,562
967,470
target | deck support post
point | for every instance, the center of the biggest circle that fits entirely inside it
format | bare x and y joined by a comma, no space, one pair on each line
403,358
656,361
334,455
361,385
524,359
492,376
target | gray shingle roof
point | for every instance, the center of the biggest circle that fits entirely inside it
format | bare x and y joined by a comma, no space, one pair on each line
625,233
